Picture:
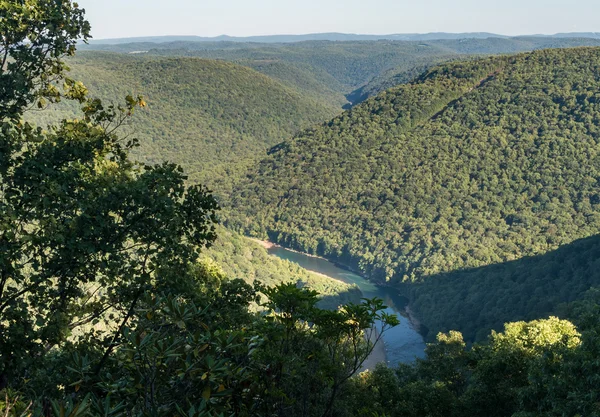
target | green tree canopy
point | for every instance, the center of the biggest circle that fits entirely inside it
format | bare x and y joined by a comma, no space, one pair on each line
84,231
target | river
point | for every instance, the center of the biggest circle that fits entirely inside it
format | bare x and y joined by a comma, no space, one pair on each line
402,343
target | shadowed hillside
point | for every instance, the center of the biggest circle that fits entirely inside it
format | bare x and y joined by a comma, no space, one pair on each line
476,300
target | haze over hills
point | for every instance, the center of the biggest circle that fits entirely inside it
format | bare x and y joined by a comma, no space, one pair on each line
355,69
330,37
472,164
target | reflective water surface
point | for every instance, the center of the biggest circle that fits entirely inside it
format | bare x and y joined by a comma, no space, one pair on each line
402,343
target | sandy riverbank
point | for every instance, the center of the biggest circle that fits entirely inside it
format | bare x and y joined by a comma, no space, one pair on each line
379,352
264,243
268,245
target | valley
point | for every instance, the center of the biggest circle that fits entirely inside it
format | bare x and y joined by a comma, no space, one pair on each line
212,117
228,140
450,172
297,225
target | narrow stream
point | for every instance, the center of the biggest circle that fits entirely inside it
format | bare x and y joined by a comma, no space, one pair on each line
402,343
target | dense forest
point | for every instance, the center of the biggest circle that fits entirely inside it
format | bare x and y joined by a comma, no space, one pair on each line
121,295
530,369
311,81
472,164
400,75
212,117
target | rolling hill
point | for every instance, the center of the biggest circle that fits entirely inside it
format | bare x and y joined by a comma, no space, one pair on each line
348,66
472,164
209,116
351,64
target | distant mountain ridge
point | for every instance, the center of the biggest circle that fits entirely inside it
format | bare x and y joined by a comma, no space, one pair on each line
332,36
343,71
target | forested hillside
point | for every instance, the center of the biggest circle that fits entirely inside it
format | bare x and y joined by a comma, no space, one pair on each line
473,164
113,302
400,75
209,116
311,81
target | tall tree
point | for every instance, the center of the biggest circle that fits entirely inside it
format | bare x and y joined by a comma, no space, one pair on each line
84,231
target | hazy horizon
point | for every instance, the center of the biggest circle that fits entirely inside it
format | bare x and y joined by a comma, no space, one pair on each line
239,18
174,35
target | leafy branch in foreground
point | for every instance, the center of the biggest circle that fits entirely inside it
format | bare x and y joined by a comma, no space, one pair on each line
84,231
206,354
35,36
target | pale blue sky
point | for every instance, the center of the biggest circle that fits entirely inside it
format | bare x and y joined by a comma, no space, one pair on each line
125,18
